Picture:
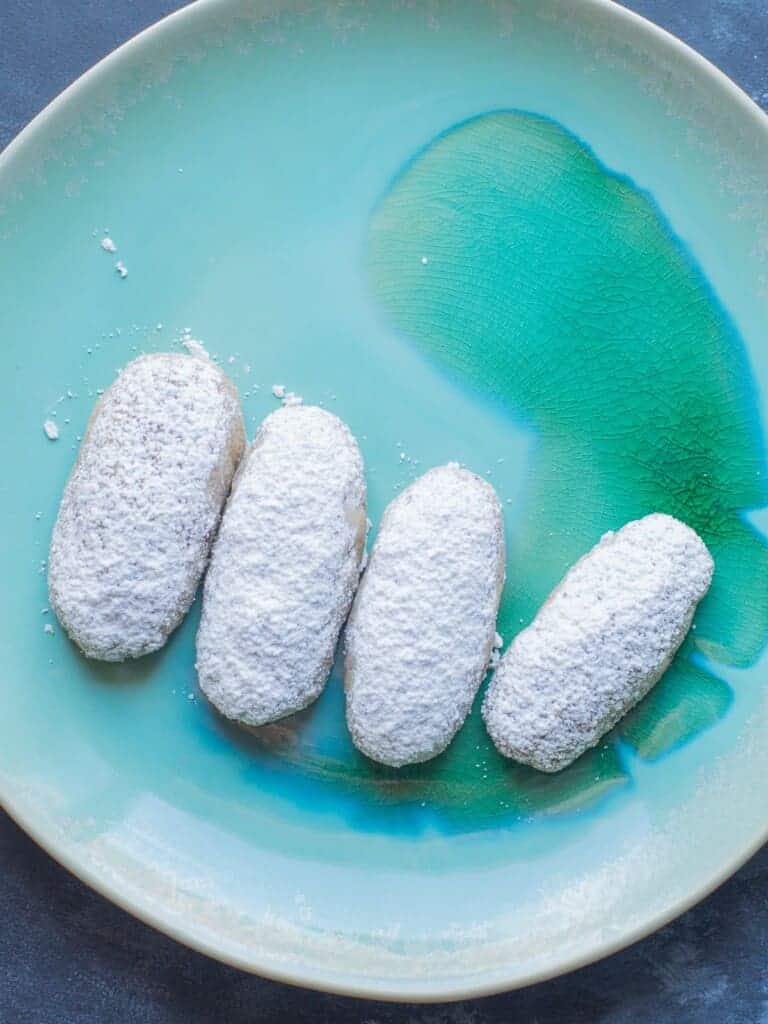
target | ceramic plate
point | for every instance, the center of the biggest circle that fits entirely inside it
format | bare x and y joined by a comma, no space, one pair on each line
528,236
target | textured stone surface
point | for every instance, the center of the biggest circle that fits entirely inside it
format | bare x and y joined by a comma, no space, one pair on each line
69,957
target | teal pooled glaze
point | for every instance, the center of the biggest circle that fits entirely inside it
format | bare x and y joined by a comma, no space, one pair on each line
587,332
554,286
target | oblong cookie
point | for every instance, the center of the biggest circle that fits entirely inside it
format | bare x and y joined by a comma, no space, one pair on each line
423,623
602,639
284,568
142,504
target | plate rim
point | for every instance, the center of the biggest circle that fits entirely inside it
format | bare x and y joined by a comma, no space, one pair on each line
153,914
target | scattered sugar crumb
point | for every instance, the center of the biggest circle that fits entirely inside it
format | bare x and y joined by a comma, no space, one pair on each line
51,430
121,268
195,347
44,611
108,245
288,398
231,360
425,260
48,629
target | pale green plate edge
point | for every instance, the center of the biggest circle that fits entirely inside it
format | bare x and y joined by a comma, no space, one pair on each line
66,854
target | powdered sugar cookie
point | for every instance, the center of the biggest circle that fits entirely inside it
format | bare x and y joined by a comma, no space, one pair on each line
284,568
603,638
142,504
423,624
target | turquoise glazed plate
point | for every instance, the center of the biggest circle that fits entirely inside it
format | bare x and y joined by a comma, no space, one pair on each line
528,235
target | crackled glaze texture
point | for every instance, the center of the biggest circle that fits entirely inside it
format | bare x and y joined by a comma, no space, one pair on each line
510,254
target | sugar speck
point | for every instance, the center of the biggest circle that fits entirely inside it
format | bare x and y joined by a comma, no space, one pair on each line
194,347
51,430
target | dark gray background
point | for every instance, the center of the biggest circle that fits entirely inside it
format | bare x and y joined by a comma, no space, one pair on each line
69,957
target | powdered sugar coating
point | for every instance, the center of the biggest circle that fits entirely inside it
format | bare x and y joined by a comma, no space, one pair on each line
604,637
284,568
423,623
142,504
